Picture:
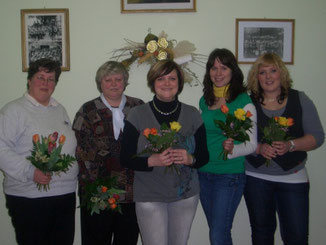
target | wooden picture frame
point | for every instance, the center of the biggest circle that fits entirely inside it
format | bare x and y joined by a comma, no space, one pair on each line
158,6
257,36
45,34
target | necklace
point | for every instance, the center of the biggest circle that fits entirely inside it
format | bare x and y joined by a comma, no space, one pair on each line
270,100
165,113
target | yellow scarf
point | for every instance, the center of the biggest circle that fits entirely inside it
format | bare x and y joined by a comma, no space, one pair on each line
220,92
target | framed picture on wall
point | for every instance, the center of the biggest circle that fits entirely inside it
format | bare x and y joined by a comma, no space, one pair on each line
150,6
45,34
257,36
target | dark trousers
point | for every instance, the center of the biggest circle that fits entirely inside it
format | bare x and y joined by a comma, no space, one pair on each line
110,227
290,201
43,221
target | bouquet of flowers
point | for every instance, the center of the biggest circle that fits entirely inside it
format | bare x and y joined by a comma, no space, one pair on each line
102,194
160,140
235,125
276,130
47,157
155,48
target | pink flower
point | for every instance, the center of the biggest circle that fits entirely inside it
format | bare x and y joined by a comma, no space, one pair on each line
51,146
53,137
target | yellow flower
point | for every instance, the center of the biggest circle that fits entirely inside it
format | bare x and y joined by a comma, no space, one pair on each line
162,43
175,126
283,121
162,55
240,114
152,46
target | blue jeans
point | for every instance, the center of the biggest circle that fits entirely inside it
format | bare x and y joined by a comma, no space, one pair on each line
220,195
290,201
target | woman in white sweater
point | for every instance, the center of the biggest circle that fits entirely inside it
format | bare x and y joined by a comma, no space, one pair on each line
39,217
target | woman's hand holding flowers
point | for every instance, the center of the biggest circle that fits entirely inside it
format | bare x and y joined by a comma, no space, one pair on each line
228,145
267,151
181,156
276,135
281,147
160,159
41,178
235,126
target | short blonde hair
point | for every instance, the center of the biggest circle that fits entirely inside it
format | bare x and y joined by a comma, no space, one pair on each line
265,60
111,68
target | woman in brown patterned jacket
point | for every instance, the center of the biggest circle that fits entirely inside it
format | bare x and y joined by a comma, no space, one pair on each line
98,127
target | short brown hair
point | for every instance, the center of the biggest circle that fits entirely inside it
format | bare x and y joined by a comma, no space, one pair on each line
162,68
47,64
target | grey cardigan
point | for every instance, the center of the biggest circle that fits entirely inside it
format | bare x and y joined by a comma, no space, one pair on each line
160,185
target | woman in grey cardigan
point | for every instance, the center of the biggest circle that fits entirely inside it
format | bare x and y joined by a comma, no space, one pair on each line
166,201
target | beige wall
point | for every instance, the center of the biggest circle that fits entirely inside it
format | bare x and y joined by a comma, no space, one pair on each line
97,27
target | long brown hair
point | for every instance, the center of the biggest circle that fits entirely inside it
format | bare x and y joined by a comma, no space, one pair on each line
237,87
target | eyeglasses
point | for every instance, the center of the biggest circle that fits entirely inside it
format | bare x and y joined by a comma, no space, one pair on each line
42,79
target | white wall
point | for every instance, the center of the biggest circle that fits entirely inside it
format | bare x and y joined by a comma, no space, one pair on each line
97,27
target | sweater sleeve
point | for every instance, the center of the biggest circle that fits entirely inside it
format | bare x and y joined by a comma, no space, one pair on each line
12,128
128,154
201,152
310,119
247,148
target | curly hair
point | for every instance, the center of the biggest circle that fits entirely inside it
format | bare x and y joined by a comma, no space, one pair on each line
237,87
46,64
254,87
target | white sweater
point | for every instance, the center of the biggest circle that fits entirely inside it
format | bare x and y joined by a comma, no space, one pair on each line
19,121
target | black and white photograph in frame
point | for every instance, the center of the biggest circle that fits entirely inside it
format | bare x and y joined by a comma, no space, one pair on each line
151,6
255,37
45,34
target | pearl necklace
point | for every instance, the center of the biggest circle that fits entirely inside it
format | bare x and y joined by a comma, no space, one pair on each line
165,113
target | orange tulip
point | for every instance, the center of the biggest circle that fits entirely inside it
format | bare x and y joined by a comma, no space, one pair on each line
154,131
111,200
146,132
36,138
290,121
248,114
104,189
62,139
224,109
113,206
